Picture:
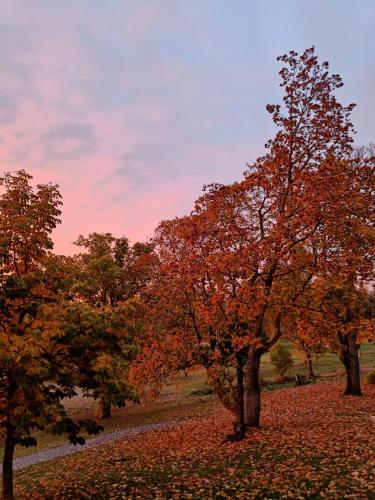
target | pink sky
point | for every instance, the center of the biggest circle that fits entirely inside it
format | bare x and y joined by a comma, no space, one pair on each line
132,106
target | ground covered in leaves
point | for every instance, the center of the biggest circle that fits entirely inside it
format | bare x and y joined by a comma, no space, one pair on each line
313,443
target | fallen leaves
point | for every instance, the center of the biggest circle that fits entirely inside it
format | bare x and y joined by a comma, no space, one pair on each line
313,443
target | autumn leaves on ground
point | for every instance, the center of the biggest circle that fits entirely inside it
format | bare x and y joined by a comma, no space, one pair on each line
313,443
276,265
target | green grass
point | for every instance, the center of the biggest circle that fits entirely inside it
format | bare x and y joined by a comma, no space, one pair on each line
324,365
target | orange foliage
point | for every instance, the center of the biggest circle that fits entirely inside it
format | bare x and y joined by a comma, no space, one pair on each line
232,271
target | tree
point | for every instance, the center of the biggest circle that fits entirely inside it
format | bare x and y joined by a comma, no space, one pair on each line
109,274
111,270
339,315
346,302
306,330
104,339
101,278
347,314
306,208
300,211
44,356
26,219
308,345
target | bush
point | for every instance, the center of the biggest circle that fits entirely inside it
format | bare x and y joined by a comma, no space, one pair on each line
371,377
282,359
205,390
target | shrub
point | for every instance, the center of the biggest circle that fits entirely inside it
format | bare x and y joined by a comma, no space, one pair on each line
371,377
205,390
282,359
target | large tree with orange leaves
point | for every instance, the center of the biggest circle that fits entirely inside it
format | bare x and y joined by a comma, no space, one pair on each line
340,315
236,267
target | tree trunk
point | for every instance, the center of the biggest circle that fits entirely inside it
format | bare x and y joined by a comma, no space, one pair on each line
9,445
310,371
239,427
350,359
105,408
252,388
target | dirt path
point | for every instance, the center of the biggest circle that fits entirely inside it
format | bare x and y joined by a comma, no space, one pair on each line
67,449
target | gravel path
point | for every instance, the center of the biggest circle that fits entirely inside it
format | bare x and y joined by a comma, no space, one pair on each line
67,449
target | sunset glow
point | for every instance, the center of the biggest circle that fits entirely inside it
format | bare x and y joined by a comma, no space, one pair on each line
131,107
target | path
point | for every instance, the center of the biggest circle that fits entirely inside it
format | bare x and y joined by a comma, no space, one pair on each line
67,449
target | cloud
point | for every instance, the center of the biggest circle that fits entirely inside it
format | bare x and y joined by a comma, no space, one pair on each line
8,108
132,106
68,141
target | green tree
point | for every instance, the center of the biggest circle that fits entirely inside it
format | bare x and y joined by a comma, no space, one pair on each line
111,270
44,355
112,332
27,218
110,274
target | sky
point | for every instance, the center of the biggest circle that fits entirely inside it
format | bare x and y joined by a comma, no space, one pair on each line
131,106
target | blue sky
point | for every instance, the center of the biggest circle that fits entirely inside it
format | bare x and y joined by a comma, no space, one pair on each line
131,106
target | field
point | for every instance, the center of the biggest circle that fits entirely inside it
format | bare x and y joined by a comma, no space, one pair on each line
313,443
182,397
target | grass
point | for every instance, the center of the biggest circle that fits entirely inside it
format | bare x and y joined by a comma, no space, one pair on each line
177,401
183,395
313,443
325,365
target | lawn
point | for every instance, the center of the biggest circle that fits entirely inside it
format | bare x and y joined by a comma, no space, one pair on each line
313,443
182,397
325,365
